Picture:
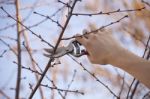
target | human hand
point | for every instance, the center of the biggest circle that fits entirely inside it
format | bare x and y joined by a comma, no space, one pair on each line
102,47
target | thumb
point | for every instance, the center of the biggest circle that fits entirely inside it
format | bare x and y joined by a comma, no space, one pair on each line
81,39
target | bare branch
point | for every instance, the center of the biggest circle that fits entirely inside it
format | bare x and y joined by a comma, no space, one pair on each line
93,75
71,91
31,57
122,86
30,86
147,95
55,48
108,13
2,54
38,36
146,47
4,94
50,19
69,85
66,4
130,88
34,25
146,3
8,46
7,37
95,31
37,72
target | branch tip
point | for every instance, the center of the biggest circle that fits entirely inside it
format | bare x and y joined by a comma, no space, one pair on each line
2,7
35,12
126,16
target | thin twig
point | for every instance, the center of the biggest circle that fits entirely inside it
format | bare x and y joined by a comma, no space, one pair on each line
66,4
96,31
28,68
108,13
34,25
2,54
130,88
40,73
69,85
57,11
93,75
146,47
30,86
31,57
55,48
122,86
134,89
38,36
50,19
147,94
4,94
8,46
146,3
7,37
148,55
52,15
63,90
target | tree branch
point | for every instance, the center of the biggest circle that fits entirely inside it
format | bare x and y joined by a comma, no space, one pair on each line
18,80
38,36
93,75
108,13
72,91
101,28
55,48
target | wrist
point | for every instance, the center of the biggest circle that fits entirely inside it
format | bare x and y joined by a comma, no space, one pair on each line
134,65
125,58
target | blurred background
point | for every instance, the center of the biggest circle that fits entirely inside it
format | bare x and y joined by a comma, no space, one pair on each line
132,33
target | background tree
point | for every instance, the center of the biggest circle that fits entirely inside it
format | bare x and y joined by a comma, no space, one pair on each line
29,26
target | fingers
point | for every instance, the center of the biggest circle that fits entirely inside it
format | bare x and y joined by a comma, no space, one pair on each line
91,35
85,31
81,39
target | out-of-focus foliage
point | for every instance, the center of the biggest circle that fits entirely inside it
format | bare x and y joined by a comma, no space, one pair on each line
132,33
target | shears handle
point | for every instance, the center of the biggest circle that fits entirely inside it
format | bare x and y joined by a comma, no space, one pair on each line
77,46
78,52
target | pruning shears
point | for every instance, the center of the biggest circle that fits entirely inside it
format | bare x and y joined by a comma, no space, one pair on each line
74,48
